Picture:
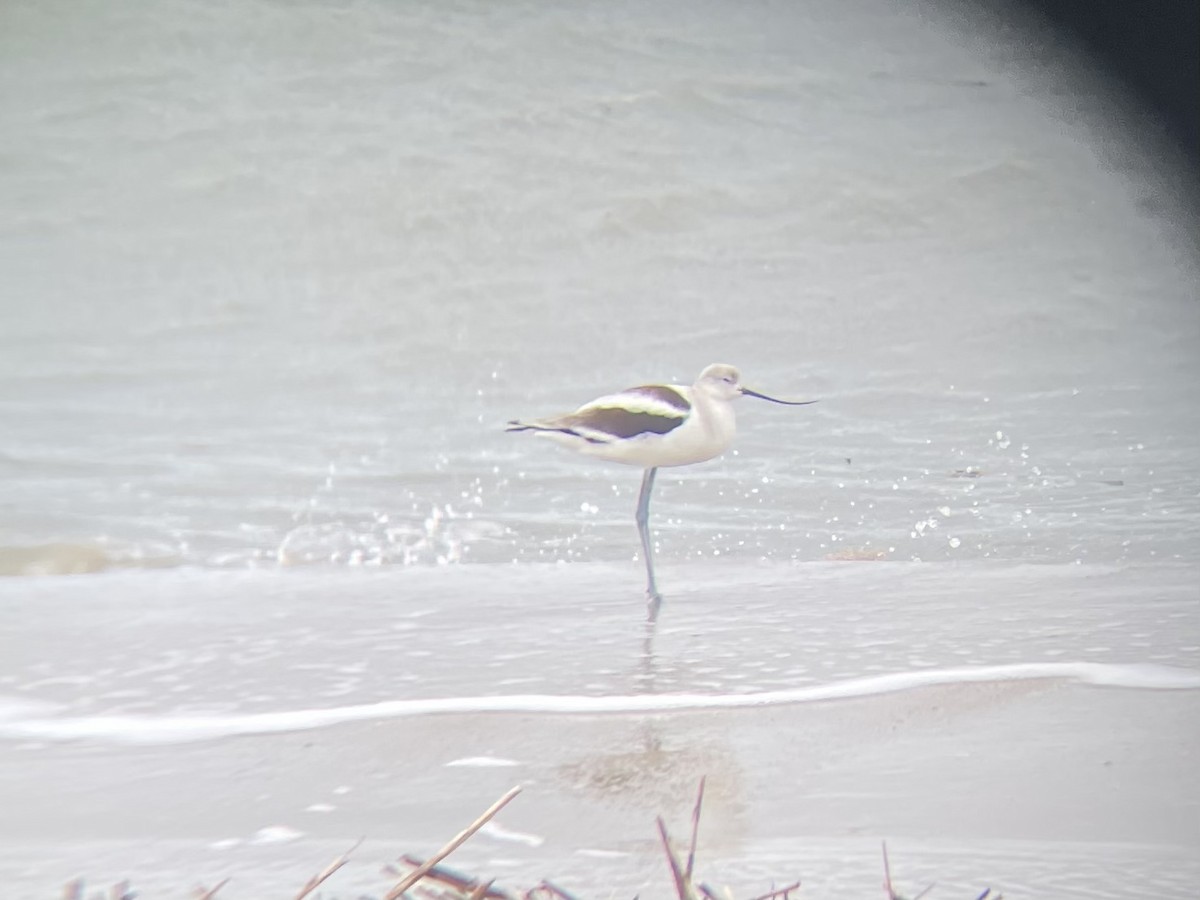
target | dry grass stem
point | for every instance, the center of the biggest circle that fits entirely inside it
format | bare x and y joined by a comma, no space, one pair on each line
691,862
480,892
887,876
442,878
444,883
780,892
682,887
316,880
429,880
891,891
458,840
208,893
549,889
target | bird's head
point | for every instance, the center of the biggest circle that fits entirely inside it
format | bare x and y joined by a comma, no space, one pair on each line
724,382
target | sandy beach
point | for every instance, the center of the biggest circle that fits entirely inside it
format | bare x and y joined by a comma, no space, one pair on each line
1051,776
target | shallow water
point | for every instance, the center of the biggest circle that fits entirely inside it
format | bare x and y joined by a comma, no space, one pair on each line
259,652
271,287
273,278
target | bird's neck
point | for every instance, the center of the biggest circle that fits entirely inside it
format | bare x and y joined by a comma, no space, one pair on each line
718,417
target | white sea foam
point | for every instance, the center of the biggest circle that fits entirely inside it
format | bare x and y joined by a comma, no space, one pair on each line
482,762
602,854
500,833
180,729
276,834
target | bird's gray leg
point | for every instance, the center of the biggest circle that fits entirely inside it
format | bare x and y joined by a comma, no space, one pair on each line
653,597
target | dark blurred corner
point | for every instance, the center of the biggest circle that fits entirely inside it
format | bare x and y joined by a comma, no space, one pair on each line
1152,46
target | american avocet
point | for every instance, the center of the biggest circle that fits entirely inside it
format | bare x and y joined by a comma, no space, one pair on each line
652,426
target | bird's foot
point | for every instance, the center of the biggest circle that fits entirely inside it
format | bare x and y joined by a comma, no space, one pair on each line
653,603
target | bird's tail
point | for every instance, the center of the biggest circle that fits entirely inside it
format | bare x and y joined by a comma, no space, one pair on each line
539,427
518,425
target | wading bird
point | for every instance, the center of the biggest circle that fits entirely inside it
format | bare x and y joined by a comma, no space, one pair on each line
652,426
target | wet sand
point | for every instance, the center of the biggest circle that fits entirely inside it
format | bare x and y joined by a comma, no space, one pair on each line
1037,787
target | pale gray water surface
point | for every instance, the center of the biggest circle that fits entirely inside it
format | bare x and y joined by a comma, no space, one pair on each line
273,276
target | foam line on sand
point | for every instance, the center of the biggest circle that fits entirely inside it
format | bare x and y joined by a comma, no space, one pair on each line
16,723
